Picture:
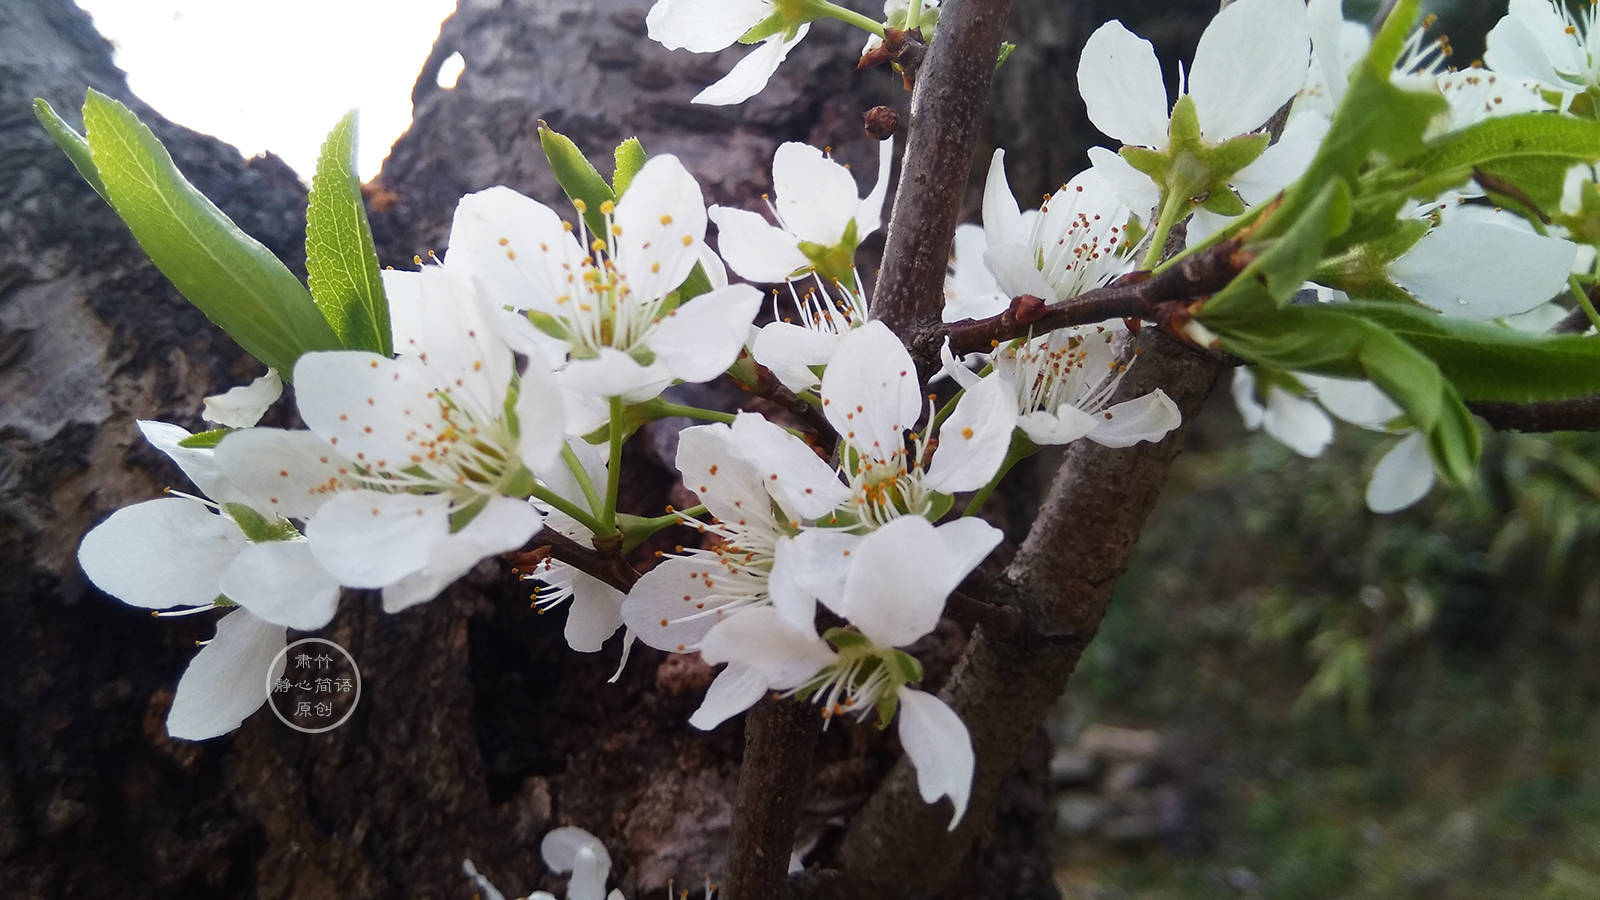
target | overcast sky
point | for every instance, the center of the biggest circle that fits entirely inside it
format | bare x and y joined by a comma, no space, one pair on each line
276,77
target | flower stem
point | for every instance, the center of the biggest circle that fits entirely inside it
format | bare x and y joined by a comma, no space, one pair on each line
668,408
1583,301
585,483
608,514
1020,449
547,496
914,16
1173,208
828,10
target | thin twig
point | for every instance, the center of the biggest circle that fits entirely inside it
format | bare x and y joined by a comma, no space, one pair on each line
548,543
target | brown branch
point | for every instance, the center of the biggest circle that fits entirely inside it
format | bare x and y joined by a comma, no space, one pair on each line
1577,321
1137,296
1576,414
780,737
608,566
948,110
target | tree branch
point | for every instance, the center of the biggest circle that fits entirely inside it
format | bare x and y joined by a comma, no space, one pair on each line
947,114
548,543
1576,414
780,737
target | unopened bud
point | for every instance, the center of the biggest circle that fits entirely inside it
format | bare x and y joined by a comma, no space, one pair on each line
880,122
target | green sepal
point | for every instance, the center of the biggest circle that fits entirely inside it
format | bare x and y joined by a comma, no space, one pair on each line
1151,162
905,667
777,23
1006,49
521,484
228,275
549,325
205,440
341,258
259,529
578,178
888,705
1362,272
72,144
629,158
463,517
1583,225
836,263
939,504
847,639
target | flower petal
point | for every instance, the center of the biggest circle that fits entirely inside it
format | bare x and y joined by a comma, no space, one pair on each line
790,351
574,850
612,374
662,223
243,406
754,248
368,539
703,26
749,75
735,689
939,748
700,339
1250,61
1402,477
1119,79
816,197
870,393
902,573
1002,218
758,637
869,213
541,418
1356,402
809,567
287,473
1016,272
974,440
721,474
1297,423
505,524
668,607
1147,418
280,582
791,471
200,465
1483,270
227,681
161,553
594,614
370,408
1063,426
515,247
1131,186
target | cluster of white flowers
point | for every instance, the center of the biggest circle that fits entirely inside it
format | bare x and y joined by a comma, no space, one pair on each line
535,340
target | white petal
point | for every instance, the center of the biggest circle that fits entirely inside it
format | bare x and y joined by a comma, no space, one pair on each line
758,637
735,689
970,291
902,573
808,567
368,539
870,393
1120,82
541,417
161,553
1067,424
869,214
703,26
658,606
1480,270
973,441
723,477
612,374
816,197
243,406
1283,162
1356,402
749,75
1147,418
1297,423
663,221
512,245
790,351
200,465
939,747
1002,219
461,350
371,409
791,471
503,525
754,248
1131,186
700,339
574,850
280,582
227,681
287,473
1402,477
955,368
594,614
1250,61
1244,397
1016,271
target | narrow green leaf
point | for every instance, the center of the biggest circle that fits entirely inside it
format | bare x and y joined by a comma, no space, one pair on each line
578,177
630,159
71,143
1493,362
224,272
341,260
1532,150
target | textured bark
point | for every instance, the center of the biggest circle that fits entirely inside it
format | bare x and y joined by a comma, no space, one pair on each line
479,730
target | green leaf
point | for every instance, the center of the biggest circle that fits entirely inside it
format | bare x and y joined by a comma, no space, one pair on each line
1531,150
224,272
258,528
1493,362
578,178
205,440
630,158
341,260
1278,272
71,143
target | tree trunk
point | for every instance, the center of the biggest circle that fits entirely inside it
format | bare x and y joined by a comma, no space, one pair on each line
478,729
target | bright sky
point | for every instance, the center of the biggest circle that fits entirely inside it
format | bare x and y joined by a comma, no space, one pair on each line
276,76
